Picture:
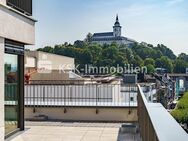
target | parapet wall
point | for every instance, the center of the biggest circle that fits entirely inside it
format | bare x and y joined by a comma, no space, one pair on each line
84,114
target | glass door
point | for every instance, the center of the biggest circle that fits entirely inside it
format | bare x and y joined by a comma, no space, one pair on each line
11,93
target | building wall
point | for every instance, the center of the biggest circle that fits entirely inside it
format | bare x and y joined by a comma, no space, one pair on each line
30,62
2,89
120,42
3,2
49,58
84,114
107,42
56,70
15,26
59,61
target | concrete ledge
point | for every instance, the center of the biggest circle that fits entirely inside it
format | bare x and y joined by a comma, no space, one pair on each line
84,114
15,26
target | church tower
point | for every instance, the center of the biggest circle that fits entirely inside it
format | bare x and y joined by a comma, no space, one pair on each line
117,28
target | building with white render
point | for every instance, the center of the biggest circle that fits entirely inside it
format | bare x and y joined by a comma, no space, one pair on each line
110,37
41,66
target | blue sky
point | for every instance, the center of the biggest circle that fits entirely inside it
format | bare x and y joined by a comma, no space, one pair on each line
152,21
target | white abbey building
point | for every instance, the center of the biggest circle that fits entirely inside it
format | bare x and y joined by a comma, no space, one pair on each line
110,37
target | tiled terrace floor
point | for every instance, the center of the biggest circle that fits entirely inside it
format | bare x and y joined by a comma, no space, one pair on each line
72,132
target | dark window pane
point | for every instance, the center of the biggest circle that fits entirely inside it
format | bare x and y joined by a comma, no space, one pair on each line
24,6
11,93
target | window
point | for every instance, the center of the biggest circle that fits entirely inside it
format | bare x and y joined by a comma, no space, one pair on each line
24,6
14,85
11,93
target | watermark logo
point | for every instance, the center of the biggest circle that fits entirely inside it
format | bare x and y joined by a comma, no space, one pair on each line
44,65
127,68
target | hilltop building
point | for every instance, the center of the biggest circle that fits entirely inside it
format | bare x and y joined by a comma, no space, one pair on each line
110,37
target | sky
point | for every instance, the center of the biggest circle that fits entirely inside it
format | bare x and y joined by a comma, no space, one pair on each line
152,21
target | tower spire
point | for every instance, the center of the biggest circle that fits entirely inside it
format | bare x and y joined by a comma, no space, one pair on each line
117,19
117,27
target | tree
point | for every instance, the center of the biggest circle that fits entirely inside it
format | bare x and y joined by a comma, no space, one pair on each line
79,44
111,54
150,68
137,61
96,52
166,51
127,53
84,57
180,66
46,49
149,61
164,62
183,56
88,38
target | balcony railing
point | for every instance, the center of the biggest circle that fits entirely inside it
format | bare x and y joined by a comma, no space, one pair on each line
155,123
24,6
84,95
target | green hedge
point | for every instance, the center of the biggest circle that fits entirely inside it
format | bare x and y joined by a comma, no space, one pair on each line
180,113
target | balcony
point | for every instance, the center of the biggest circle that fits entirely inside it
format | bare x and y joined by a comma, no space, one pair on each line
155,123
94,111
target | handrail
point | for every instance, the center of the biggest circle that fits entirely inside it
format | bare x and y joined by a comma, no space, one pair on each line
80,95
156,123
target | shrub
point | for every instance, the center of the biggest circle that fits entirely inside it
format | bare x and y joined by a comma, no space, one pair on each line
180,113
183,102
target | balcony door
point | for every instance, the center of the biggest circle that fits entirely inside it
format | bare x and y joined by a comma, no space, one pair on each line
14,87
11,93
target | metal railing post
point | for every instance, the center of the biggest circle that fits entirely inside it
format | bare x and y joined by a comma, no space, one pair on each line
64,95
44,93
34,110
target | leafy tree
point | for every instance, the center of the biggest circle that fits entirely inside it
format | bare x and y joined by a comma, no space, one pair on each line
110,53
96,52
166,51
137,61
149,61
88,38
164,62
180,66
183,56
150,68
79,44
138,54
85,57
46,49
127,52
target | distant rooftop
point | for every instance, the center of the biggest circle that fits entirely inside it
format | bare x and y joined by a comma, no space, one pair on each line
103,34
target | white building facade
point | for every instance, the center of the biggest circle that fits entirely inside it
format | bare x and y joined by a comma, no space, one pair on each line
111,37
17,29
